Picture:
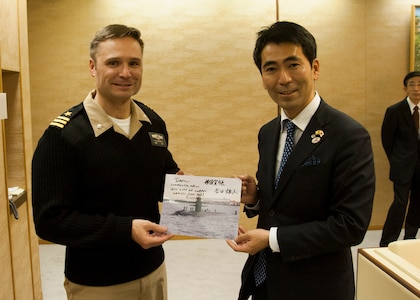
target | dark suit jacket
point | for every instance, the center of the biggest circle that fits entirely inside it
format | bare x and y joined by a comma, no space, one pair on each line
322,207
399,139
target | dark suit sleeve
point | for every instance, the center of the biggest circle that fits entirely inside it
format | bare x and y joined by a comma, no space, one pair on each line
389,126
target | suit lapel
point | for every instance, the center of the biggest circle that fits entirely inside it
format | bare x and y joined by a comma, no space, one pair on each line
407,113
273,145
302,150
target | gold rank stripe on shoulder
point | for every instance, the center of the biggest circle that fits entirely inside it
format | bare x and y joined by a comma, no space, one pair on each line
62,120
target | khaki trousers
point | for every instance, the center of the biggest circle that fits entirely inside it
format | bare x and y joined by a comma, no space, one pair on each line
150,287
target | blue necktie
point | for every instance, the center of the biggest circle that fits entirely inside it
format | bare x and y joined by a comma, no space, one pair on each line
260,267
288,147
260,273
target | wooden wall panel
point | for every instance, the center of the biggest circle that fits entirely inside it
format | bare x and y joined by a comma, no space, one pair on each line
9,43
21,255
19,230
363,47
6,274
199,75
387,62
20,275
15,151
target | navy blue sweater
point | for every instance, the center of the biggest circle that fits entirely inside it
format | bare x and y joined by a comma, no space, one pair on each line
87,190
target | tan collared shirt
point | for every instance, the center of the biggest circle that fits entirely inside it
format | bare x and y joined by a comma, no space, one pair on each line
101,122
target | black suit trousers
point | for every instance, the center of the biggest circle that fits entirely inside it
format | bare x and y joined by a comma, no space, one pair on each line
413,215
397,211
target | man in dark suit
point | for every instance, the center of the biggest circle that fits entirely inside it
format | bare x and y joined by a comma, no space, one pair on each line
321,203
400,139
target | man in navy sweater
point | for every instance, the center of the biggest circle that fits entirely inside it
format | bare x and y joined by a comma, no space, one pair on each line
97,178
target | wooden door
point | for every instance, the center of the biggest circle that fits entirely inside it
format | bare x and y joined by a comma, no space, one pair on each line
6,273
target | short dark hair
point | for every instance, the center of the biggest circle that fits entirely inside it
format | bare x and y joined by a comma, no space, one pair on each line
410,75
285,32
114,31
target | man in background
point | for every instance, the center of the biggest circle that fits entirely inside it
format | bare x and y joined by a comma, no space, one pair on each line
98,175
400,139
315,181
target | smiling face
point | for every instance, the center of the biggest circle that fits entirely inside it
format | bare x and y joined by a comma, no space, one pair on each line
118,68
288,76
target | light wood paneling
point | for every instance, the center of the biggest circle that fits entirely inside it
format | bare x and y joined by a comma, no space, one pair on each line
199,74
19,254
6,274
25,95
363,47
9,47
15,151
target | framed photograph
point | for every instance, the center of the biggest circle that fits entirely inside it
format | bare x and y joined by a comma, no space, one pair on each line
415,38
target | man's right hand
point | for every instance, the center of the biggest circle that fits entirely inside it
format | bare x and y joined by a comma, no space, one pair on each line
148,234
249,189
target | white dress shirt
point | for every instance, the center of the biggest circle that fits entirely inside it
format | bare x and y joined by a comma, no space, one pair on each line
301,121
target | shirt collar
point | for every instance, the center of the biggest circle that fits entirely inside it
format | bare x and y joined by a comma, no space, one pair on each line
101,122
411,104
302,120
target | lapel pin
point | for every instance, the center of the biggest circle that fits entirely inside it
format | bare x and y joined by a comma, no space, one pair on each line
316,137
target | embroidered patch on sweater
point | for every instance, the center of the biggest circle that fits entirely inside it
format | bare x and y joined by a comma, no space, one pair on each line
157,139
